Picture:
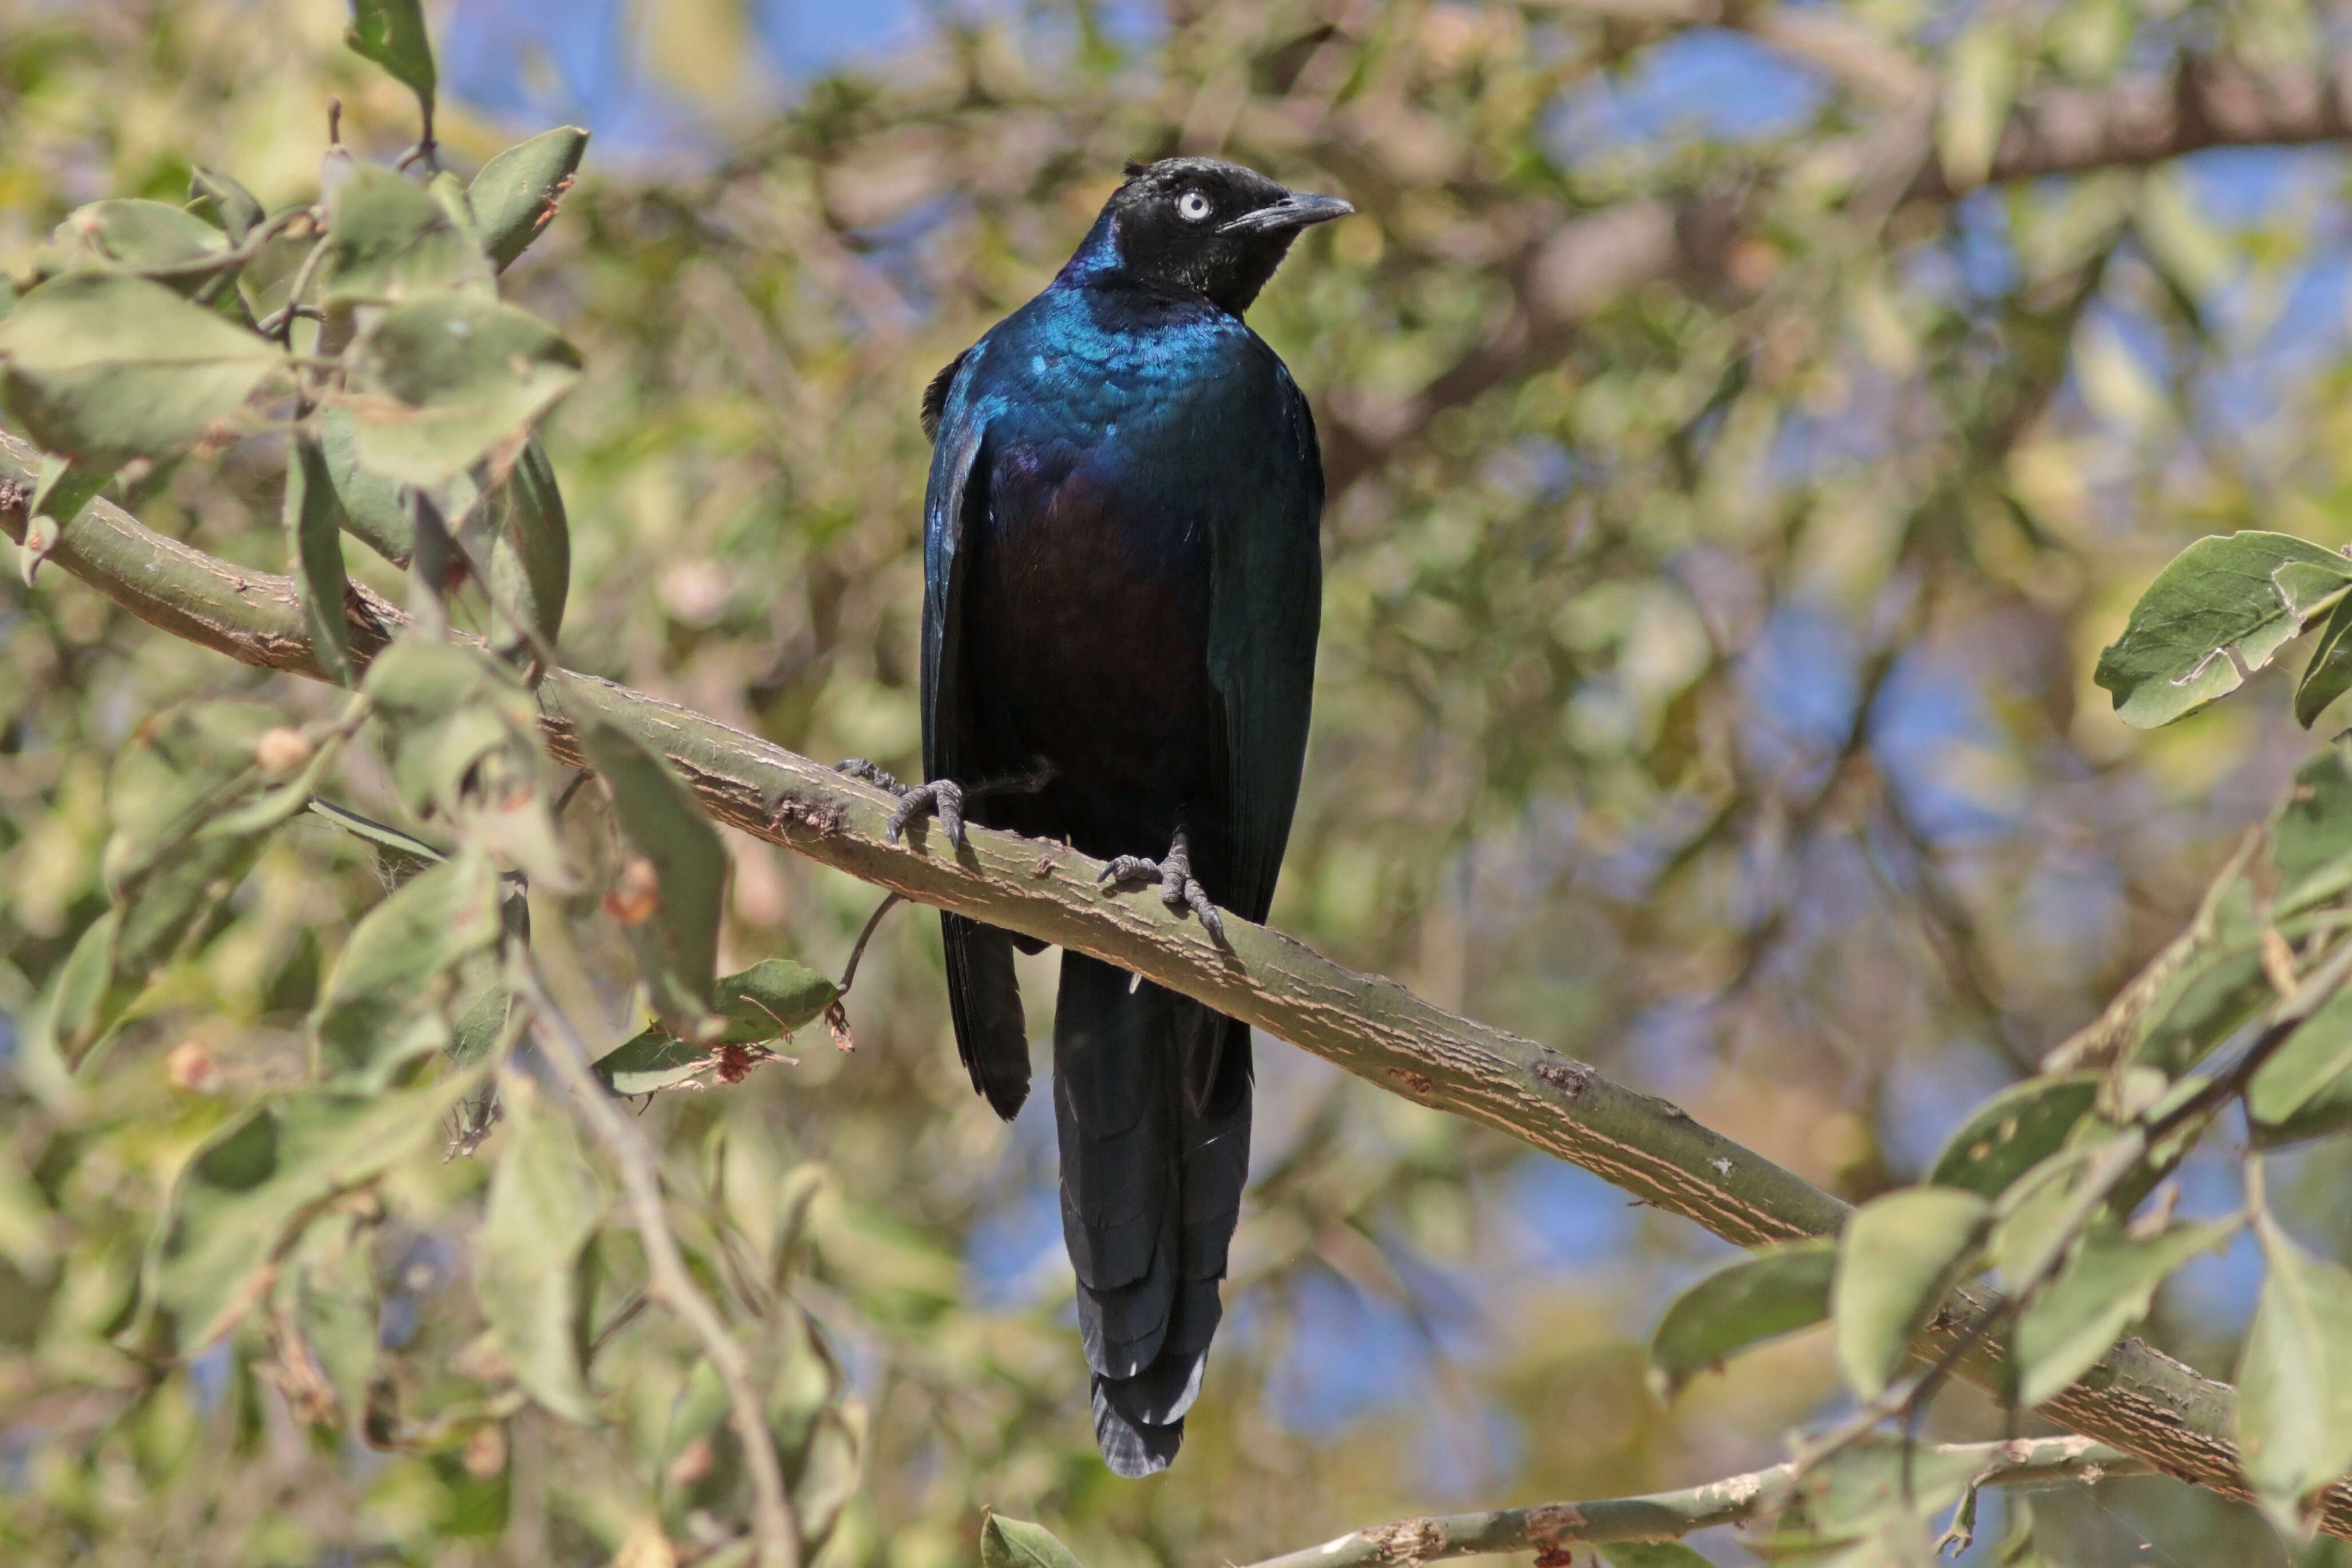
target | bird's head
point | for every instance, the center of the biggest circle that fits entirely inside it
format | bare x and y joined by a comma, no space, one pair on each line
1213,227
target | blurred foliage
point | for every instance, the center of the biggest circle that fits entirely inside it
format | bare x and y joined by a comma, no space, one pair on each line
1707,691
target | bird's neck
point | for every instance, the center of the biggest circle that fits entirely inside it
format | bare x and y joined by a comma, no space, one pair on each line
1098,254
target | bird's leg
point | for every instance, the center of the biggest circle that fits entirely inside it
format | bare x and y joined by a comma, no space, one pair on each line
1179,889
942,798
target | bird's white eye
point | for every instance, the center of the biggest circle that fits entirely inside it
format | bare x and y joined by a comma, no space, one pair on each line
1192,206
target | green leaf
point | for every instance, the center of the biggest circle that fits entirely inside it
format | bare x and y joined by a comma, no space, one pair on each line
373,511
89,998
516,194
254,1181
2311,1063
391,33
677,936
531,544
186,830
447,707
328,1289
2222,608
133,237
105,367
314,543
653,1060
2311,837
1771,1291
2295,1378
771,999
59,494
530,1254
1977,87
2013,1131
218,198
401,855
765,1001
1651,1554
1013,1543
1898,1257
2099,1295
445,382
389,997
2330,674
389,240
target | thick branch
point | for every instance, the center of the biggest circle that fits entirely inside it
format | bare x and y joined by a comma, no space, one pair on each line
1551,1526
2136,1398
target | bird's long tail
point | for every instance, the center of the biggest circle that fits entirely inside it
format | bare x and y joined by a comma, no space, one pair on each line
1151,1098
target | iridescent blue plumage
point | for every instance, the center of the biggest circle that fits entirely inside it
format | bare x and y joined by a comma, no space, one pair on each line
1122,583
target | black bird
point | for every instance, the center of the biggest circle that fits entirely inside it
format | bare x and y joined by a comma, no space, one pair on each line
1122,580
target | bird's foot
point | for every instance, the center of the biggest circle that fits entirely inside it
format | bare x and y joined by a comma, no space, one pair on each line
1177,888
942,798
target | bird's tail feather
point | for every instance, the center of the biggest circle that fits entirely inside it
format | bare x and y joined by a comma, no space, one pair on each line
1152,1101
984,998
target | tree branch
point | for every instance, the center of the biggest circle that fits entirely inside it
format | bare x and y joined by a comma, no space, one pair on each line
1570,274
1554,1527
2136,1398
670,1282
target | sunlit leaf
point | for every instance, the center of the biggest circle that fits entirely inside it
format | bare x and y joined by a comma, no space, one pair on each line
2013,1131
133,237
1898,1257
1016,1543
1772,1291
2099,1295
531,1252
446,381
1979,79
2295,1378
105,367
516,194
2222,610
389,239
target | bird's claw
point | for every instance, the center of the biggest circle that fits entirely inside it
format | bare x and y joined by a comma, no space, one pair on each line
1179,889
942,798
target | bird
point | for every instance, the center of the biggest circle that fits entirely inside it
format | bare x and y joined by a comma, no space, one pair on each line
1121,594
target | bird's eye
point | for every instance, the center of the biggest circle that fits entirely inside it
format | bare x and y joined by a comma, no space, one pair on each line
1191,207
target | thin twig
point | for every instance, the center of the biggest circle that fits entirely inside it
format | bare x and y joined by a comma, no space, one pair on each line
1665,1516
849,970
671,1283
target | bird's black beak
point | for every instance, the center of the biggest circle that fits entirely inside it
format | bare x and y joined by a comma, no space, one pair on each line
1294,211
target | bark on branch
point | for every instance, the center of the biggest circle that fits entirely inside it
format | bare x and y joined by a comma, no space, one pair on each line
1550,1528
2136,1399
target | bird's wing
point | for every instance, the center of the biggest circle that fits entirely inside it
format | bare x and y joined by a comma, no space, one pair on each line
1266,597
984,995
957,483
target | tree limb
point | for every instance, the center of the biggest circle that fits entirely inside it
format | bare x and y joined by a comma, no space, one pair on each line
2136,1398
1554,1527
1568,274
